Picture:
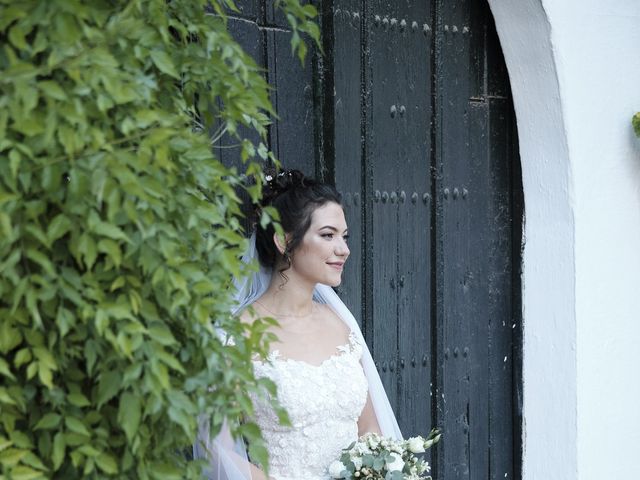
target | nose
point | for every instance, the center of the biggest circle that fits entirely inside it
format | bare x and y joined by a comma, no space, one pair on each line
342,249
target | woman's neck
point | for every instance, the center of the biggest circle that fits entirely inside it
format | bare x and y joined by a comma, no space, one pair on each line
288,298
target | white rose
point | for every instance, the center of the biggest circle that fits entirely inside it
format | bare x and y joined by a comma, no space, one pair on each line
373,443
416,445
336,468
396,464
357,462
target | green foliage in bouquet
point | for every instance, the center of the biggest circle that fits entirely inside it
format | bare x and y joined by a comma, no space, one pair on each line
635,121
119,232
373,457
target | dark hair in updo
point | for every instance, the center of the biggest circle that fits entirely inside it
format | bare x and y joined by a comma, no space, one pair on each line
295,197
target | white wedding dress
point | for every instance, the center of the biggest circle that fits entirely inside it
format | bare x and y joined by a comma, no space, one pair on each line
324,403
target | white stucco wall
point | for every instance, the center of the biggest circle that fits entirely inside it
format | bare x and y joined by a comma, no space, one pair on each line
574,67
597,46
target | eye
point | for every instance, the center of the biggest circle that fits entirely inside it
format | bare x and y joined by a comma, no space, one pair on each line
328,236
346,238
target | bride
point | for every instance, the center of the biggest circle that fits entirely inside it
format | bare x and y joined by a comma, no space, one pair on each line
324,373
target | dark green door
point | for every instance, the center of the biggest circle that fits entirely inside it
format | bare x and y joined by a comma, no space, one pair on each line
410,114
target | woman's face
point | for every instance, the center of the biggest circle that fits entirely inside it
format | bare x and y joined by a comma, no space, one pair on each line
321,255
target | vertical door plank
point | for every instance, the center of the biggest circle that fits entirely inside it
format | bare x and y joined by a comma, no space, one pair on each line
251,38
413,138
346,18
500,306
293,130
458,239
381,80
475,286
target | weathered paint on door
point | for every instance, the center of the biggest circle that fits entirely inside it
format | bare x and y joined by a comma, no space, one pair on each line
410,114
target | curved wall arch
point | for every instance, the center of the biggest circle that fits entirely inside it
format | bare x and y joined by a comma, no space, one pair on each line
549,317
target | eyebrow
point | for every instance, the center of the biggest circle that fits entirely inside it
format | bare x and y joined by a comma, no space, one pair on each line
331,228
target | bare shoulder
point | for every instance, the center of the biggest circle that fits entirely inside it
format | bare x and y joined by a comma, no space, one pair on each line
334,323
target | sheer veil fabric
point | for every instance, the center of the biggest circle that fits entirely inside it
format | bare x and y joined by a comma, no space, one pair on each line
226,457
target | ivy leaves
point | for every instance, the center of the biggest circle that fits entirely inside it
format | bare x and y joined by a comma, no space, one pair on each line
119,233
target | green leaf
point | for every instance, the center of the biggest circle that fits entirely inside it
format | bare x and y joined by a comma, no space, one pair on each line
129,414
22,472
107,463
4,443
6,399
636,123
111,231
21,440
45,375
33,461
75,425
165,471
250,430
42,260
14,162
64,320
164,63
78,399
17,36
10,337
87,248
11,456
52,89
5,370
310,11
45,357
48,422
58,227
108,386
397,475
258,453
90,355
59,447
112,249
161,334
168,359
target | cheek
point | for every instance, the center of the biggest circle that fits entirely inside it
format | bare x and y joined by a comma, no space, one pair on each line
314,250
321,249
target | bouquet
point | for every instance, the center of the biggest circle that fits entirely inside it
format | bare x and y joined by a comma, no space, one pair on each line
374,457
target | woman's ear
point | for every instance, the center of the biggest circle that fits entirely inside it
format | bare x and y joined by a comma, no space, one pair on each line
280,243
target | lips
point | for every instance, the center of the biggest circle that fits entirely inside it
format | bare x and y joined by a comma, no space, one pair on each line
336,265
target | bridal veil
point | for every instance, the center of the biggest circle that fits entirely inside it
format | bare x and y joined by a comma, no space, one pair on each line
227,458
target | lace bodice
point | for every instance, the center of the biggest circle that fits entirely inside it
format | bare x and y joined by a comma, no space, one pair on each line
324,403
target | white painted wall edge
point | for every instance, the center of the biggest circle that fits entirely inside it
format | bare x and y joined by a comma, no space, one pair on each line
549,316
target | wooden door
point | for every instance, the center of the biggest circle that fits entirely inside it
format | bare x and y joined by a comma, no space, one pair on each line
410,114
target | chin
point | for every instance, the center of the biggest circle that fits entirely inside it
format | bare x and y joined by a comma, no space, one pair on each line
331,282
